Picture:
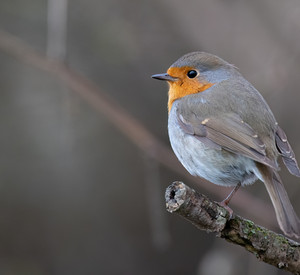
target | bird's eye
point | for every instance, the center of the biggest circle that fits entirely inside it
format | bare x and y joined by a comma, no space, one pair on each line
192,73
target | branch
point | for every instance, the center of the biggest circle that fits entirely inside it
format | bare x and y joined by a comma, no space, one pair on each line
207,215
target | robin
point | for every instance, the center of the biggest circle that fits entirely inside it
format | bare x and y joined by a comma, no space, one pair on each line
221,129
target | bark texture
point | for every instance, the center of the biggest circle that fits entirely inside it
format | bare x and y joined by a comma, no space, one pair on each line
205,214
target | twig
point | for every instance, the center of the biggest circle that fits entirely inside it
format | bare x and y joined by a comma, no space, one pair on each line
207,215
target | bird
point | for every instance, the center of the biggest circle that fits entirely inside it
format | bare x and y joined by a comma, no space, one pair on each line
221,129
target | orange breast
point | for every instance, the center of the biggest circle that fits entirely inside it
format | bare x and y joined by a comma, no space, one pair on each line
184,85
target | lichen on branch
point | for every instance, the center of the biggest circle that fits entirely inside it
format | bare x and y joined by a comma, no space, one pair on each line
208,215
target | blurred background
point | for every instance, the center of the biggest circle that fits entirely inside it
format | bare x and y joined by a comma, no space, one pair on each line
79,193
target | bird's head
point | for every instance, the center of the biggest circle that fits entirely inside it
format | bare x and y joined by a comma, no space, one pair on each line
194,73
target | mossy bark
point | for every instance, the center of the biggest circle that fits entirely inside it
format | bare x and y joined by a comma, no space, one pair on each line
205,214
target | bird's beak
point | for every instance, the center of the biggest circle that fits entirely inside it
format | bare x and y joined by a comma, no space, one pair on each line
165,77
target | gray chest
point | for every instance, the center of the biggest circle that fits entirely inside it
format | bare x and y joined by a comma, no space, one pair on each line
217,166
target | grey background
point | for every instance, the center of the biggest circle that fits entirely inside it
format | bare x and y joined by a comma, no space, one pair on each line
73,189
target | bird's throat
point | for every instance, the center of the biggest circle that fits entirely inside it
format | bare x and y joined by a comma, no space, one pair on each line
183,88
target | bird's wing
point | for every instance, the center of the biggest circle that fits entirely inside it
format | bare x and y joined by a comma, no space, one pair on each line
229,133
286,152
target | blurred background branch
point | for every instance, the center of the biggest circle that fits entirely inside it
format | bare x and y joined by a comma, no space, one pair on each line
128,125
57,29
84,131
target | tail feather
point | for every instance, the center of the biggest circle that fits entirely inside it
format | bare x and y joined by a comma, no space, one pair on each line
286,216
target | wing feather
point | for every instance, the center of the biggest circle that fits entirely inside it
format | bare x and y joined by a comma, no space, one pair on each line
230,133
286,151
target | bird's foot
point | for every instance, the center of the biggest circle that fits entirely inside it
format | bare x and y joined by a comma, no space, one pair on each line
224,204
